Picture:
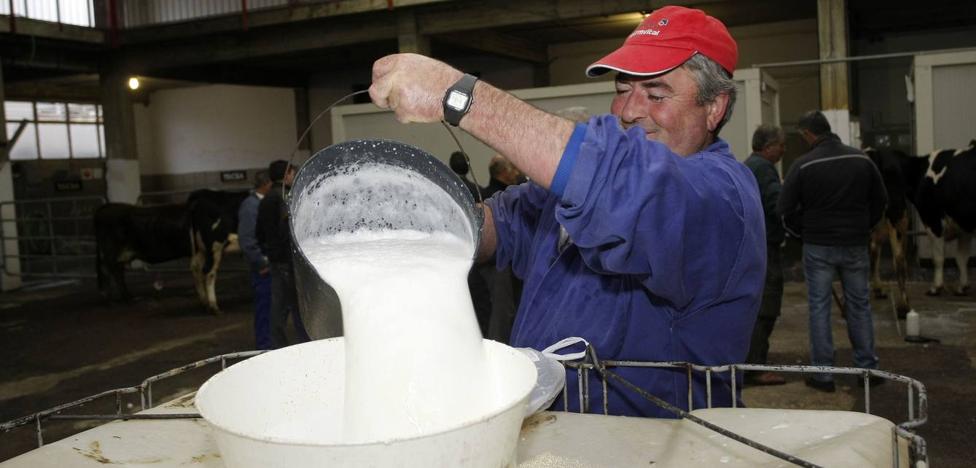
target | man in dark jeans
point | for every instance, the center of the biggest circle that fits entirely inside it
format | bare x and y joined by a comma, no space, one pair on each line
274,236
768,146
833,195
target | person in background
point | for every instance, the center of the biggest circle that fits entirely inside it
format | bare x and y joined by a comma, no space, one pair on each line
274,237
665,253
502,174
832,198
459,164
247,216
768,146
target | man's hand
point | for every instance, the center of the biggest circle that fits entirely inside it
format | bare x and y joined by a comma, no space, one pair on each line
412,86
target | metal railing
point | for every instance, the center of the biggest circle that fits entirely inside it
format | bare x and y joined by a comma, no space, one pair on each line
55,237
917,398
917,408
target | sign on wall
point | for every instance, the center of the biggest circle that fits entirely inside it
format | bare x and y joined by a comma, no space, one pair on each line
233,176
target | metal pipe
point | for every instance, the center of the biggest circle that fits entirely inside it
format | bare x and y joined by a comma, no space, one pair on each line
798,63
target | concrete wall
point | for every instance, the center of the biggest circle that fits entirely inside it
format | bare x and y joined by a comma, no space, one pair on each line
187,136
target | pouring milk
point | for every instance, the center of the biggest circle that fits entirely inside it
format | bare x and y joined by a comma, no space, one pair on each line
414,356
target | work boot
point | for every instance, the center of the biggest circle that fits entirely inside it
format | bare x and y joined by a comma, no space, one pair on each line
824,386
764,378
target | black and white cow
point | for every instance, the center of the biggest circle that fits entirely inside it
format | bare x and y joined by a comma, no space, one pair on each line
893,166
942,187
946,203
213,225
203,229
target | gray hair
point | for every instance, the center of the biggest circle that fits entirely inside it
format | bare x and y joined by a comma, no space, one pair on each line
765,134
260,178
713,81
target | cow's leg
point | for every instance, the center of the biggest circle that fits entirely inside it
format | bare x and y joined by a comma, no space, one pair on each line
196,266
878,235
896,238
217,249
962,261
938,261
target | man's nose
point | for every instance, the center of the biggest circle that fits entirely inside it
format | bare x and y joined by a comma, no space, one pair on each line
630,109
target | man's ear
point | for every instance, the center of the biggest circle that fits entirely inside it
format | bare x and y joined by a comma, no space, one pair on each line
716,110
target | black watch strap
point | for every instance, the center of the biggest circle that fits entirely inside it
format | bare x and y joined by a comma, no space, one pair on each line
458,99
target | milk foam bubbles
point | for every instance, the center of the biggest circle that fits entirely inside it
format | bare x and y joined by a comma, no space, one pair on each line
414,357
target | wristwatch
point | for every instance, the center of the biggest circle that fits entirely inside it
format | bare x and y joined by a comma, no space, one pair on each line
458,99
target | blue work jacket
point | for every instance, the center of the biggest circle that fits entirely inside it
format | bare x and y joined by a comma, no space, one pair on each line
648,255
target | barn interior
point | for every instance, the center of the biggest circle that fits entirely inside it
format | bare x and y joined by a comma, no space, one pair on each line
143,102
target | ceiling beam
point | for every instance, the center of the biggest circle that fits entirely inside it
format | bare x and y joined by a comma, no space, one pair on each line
45,29
263,18
501,44
257,44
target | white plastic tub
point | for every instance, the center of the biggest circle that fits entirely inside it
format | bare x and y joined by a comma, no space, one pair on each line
284,409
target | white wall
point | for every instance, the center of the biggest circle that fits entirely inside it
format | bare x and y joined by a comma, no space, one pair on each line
214,128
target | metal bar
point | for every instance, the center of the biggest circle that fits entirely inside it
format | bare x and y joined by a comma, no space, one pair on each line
735,401
708,387
122,417
894,449
911,403
57,10
686,415
11,19
867,393
40,435
796,63
691,385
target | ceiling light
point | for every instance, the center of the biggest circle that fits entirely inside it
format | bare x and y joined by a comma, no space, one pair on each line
133,83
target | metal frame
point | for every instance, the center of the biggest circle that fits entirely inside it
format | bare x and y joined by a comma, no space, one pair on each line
917,398
49,221
144,390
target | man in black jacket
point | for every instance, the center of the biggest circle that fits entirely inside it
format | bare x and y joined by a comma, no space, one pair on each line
833,195
768,146
274,237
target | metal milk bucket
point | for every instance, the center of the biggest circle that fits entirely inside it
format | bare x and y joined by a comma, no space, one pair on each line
372,206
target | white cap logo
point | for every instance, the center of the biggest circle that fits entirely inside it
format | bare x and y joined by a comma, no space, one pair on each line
663,22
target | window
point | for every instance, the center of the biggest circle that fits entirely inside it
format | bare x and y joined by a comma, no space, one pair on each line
80,12
55,130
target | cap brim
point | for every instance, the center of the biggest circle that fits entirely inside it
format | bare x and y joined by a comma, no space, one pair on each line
640,60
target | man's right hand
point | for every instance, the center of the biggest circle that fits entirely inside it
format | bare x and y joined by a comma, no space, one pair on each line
412,86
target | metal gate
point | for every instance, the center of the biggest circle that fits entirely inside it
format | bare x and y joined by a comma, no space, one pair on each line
54,237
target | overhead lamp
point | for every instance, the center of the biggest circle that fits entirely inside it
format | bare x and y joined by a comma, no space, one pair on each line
133,83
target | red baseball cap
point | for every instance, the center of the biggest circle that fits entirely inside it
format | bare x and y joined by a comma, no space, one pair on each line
666,39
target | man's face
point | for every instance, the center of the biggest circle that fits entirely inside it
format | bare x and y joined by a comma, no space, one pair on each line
774,151
664,106
289,176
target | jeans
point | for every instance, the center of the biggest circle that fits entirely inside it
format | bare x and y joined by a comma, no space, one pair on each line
284,302
262,309
852,263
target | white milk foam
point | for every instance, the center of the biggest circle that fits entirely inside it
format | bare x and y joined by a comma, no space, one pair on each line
414,356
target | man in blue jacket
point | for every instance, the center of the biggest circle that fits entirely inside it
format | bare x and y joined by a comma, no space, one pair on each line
247,216
640,231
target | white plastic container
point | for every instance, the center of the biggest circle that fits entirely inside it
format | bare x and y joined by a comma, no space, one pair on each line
284,409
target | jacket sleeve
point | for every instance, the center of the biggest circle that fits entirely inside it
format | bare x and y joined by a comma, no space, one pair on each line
266,224
247,234
634,207
770,189
516,212
788,205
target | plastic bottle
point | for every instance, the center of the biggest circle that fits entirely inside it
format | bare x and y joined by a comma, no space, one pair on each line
911,324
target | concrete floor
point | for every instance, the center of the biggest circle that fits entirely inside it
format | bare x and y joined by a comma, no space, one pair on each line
64,343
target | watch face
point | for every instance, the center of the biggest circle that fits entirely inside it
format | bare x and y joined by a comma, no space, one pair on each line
457,100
